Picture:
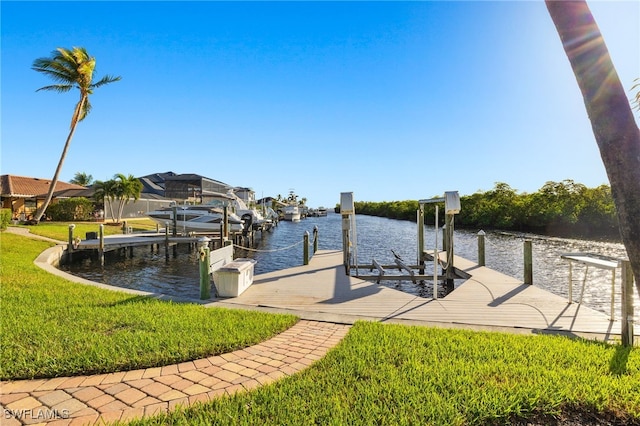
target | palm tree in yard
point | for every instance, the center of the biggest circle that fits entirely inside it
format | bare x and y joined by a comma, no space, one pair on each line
609,111
121,189
128,187
69,68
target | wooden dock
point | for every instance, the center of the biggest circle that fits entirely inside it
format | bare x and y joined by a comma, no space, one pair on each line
486,300
114,242
123,241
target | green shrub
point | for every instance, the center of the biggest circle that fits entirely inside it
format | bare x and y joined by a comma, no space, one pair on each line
5,218
71,209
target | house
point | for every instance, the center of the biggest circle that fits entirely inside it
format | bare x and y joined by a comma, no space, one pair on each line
247,195
24,195
271,202
186,187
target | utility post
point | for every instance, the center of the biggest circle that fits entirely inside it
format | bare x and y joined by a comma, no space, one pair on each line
347,210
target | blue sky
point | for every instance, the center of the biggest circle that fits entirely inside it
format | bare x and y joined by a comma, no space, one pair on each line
392,101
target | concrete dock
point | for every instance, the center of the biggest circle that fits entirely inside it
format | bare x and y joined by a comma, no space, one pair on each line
488,300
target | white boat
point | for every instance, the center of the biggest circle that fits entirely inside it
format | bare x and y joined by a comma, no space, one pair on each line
195,218
321,211
292,213
252,217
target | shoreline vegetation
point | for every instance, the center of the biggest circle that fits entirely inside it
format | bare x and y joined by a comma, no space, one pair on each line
560,209
379,373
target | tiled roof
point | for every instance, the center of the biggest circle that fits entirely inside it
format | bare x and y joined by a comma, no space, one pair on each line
20,186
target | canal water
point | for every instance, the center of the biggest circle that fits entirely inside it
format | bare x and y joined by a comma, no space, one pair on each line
376,237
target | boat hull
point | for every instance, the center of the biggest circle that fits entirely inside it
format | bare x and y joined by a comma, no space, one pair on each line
194,219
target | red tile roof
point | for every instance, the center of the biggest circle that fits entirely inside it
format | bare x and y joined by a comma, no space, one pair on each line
21,187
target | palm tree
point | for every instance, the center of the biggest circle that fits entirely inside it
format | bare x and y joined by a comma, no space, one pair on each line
121,189
70,68
127,187
609,111
105,190
81,178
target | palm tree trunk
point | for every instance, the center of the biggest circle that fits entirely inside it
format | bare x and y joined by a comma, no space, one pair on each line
54,180
608,108
122,202
113,216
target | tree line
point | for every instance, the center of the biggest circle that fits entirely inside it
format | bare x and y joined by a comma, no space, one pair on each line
562,208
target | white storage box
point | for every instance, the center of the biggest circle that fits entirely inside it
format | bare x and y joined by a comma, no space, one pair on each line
234,277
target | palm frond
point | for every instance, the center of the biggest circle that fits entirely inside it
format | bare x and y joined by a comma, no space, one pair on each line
60,88
106,80
73,68
56,74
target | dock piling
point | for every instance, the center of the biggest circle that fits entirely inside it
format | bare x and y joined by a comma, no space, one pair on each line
528,262
166,242
70,246
420,219
205,280
305,248
627,304
315,239
101,246
175,220
481,258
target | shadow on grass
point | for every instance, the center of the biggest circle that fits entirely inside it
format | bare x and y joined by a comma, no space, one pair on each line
618,363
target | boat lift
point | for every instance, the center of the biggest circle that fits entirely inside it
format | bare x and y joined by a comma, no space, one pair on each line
451,200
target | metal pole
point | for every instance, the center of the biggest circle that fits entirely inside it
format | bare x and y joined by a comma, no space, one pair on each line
570,282
613,294
225,222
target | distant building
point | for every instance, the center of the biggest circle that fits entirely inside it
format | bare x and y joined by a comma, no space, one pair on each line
247,195
186,187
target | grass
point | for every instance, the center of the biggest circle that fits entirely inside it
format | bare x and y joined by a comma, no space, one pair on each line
395,375
52,327
60,230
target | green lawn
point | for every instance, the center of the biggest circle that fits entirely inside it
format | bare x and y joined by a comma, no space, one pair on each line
394,375
60,230
52,327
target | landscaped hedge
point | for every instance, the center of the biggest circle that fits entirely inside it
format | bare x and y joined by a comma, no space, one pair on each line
71,209
5,218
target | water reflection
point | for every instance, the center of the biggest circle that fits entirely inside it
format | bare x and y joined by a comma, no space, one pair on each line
376,237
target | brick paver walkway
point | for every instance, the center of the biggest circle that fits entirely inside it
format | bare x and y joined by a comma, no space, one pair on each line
133,394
